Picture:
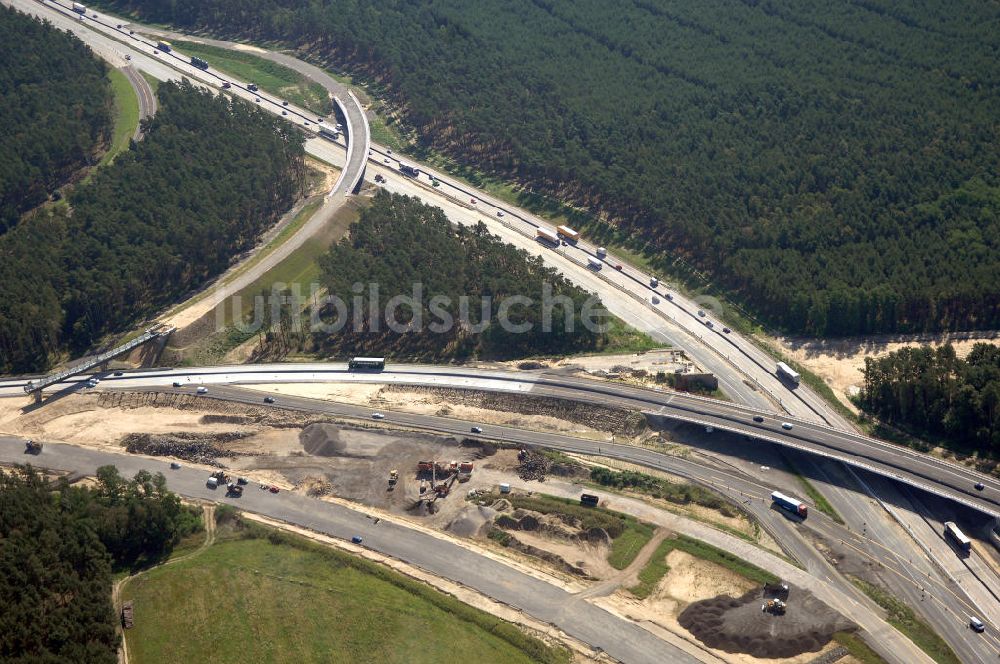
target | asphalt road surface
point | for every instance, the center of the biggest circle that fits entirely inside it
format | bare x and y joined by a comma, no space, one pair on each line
147,100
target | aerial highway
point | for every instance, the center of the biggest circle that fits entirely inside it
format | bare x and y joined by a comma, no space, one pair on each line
746,372
922,471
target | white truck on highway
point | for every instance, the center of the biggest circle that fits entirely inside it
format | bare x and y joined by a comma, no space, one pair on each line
594,263
547,235
79,9
787,373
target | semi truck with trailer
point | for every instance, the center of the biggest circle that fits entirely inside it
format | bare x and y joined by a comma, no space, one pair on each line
79,9
791,504
199,63
366,364
548,236
164,46
787,373
955,534
409,171
330,134
594,263
568,233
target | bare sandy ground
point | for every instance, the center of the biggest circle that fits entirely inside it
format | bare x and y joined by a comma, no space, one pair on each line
840,362
426,404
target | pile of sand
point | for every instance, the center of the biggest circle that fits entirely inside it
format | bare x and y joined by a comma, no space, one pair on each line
739,625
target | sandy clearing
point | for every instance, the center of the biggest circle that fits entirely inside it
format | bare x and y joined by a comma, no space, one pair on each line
423,403
692,579
840,362
590,557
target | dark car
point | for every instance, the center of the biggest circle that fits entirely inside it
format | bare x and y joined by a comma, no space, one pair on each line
268,399
175,465
273,489
356,539
119,373
726,330
477,429
758,418
284,103
177,384
980,486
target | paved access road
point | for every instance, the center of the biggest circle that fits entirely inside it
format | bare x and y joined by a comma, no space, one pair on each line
147,100
620,638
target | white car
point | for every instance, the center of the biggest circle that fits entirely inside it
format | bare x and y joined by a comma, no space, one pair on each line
709,429
93,382
499,213
202,390
378,416
787,426
701,312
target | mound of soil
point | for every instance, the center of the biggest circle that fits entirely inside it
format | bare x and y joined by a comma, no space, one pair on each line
471,521
739,625
322,440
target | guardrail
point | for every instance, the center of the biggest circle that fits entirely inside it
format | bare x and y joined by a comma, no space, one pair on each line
93,361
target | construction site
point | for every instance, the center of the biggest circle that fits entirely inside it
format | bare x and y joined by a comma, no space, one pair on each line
521,504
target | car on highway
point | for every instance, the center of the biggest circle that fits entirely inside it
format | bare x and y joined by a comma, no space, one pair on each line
758,418
701,313
726,330
273,489
306,123
709,323
499,213
284,103
787,426
128,57
356,539
387,151
131,32
174,465
477,429
257,100
655,300
284,112
202,390
709,429
268,399
976,624
93,382
118,27
119,373
378,416
980,486
226,85
670,296
385,160
472,200
177,383
653,282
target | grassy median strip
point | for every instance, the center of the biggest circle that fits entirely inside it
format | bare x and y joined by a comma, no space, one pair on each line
272,77
906,621
657,568
126,110
857,648
272,596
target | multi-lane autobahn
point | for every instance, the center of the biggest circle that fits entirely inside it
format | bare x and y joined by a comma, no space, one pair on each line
926,472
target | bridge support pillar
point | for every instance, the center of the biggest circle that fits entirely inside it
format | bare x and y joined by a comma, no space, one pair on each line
37,394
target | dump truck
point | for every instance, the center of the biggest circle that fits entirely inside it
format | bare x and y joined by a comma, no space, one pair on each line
393,478
32,447
465,471
589,499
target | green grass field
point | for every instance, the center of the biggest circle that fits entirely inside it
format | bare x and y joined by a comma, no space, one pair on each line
126,111
657,568
272,77
261,601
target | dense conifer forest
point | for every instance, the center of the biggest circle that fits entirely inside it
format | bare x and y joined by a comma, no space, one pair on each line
399,242
833,165
58,548
56,111
209,177
933,392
